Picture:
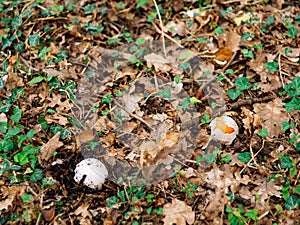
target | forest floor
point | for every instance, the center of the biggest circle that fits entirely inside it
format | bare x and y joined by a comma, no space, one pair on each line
138,90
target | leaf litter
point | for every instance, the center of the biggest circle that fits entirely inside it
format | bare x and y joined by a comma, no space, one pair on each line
219,34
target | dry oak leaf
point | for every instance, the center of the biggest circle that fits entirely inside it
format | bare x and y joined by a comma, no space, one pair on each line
51,146
83,210
9,194
273,114
178,212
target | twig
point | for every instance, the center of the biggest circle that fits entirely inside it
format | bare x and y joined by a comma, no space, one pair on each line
135,116
161,27
253,157
280,72
167,36
41,207
250,101
263,215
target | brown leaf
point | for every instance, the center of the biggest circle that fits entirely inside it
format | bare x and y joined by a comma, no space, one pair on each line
170,140
233,41
224,54
57,119
9,195
83,210
178,212
85,136
49,214
251,119
273,114
52,145
14,81
176,28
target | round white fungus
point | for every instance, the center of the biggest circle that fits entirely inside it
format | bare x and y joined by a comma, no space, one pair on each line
224,129
94,171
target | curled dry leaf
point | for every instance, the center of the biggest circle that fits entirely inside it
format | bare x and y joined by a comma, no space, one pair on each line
9,194
47,150
224,129
178,212
83,211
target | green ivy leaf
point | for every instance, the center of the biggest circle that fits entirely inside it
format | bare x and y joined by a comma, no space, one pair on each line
89,9
210,158
286,162
184,66
292,203
6,145
113,41
293,88
107,99
252,214
140,41
297,189
17,114
111,201
244,157
37,175
21,158
205,119
185,55
242,83
34,39
165,93
194,100
226,159
234,94
186,103
263,132
271,66
177,79
292,32
20,47
141,3
36,80
294,104
26,197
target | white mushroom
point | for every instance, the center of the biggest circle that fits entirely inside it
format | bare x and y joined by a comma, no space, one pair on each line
224,129
94,170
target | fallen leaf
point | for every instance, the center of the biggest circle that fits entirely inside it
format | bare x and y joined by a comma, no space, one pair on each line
273,114
176,28
178,212
85,136
83,211
47,150
14,81
57,119
251,119
9,194
49,214
242,18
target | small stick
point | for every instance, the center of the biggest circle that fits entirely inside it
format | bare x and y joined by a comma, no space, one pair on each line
280,72
252,157
161,27
250,101
167,36
131,114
